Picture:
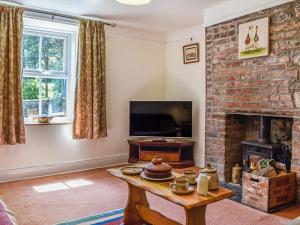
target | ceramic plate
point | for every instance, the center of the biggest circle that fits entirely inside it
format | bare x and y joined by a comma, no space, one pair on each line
157,179
183,192
132,170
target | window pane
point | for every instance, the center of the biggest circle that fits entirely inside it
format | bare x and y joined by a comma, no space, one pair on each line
45,96
52,54
54,97
31,52
30,96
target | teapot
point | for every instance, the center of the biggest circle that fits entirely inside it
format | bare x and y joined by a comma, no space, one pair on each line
212,176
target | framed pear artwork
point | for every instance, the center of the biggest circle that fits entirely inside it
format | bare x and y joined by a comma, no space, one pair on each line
254,39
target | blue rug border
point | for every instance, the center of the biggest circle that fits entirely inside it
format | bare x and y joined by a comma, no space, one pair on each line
94,217
108,221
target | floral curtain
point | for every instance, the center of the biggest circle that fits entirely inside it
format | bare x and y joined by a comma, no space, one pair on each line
90,104
11,113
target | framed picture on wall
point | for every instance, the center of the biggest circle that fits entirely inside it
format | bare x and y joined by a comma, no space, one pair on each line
191,53
254,39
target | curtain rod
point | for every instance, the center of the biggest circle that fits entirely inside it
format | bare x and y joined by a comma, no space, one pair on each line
56,13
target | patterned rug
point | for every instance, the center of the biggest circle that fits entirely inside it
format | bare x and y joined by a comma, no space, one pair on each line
108,218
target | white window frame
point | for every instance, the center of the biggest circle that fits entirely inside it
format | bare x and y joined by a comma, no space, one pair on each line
70,35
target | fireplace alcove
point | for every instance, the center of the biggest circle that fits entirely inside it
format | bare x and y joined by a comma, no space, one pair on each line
249,137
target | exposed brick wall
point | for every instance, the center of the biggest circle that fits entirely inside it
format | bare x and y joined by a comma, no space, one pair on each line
258,85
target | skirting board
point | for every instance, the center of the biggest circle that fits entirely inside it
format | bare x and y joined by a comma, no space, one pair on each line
67,167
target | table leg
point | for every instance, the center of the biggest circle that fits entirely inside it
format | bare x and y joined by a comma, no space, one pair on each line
195,215
136,196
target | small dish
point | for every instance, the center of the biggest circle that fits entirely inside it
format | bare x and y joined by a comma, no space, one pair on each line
42,118
189,190
132,170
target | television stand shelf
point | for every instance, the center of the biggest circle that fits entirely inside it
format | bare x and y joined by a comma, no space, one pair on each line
178,152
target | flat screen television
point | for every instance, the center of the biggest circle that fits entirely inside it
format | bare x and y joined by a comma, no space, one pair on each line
161,119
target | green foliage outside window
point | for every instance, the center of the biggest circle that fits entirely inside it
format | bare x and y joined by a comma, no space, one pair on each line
53,89
30,88
52,54
31,52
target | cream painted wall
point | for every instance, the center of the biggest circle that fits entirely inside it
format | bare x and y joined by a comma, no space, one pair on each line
135,70
187,81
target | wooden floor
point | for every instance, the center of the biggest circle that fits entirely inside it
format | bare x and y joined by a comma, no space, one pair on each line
290,213
49,200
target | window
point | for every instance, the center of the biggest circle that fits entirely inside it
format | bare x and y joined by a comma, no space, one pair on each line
47,71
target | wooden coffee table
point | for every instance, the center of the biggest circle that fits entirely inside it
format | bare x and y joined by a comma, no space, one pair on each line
137,211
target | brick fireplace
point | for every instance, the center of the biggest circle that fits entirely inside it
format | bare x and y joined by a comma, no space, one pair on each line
251,87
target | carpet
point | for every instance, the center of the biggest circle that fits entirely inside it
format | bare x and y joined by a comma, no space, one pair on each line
114,217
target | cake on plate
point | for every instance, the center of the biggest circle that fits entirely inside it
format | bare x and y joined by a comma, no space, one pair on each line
157,169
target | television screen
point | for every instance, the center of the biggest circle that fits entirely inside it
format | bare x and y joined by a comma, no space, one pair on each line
161,118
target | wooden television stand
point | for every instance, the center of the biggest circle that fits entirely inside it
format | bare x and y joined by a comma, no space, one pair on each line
179,153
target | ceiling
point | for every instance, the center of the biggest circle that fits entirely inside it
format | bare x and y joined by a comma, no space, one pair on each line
161,16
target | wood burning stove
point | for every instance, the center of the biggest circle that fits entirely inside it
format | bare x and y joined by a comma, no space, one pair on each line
264,149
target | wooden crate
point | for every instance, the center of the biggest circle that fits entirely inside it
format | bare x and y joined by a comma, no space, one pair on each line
267,194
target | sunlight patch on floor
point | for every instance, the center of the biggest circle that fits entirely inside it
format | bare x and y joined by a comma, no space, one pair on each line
62,185
78,183
50,187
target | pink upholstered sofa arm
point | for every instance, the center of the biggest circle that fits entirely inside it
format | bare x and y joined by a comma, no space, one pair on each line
6,216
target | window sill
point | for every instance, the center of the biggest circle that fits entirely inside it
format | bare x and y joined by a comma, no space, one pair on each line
54,121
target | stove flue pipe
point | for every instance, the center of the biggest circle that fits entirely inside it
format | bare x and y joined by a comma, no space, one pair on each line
264,129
